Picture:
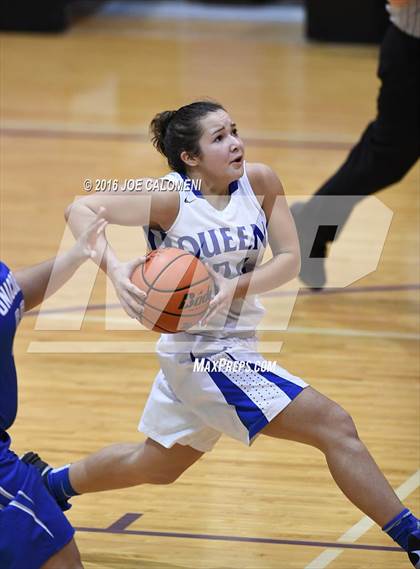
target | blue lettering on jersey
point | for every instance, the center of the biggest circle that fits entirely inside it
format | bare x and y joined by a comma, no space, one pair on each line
9,290
11,309
204,245
213,242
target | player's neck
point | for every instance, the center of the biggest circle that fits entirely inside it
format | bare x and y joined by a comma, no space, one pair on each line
208,185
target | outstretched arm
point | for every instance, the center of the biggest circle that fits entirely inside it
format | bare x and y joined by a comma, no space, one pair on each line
36,282
141,209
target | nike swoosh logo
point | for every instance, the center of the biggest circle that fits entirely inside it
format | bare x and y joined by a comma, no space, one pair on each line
186,200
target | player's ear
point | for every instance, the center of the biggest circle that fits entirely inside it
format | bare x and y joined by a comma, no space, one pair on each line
188,158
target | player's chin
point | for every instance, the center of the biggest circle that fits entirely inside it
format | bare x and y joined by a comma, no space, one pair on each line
237,168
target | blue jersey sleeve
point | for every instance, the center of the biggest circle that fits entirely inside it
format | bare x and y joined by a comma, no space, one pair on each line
11,310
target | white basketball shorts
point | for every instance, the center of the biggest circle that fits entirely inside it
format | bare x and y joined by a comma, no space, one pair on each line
207,389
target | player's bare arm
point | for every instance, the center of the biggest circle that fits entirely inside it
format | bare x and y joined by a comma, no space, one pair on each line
156,209
44,279
282,236
285,263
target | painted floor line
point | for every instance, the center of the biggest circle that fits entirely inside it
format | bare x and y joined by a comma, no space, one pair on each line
140,136
359,529
291,293
234,538
119,347
309,330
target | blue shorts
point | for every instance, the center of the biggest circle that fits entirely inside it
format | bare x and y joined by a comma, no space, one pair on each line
32,526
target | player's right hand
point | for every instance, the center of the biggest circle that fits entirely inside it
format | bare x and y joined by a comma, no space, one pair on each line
131,297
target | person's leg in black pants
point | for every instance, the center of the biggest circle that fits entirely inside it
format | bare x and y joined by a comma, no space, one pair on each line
388,148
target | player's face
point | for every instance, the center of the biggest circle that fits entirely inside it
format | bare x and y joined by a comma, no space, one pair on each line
222,151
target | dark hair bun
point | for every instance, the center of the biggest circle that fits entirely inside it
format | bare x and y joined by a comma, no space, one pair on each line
159,128
175,132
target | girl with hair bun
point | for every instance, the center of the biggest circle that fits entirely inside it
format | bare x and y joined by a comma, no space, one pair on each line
239,209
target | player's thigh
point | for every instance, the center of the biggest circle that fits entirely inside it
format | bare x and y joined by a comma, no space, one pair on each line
165,465
67,558
312,419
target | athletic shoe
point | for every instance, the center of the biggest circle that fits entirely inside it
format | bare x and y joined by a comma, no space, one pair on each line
414,548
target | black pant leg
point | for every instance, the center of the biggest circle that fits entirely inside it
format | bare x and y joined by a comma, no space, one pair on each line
390,145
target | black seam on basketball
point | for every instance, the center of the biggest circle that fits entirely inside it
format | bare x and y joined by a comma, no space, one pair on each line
168,265
173,313
156,325
179,289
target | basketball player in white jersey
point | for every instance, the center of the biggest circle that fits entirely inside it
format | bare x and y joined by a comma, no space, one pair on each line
227,223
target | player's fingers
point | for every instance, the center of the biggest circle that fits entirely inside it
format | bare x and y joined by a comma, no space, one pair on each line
133,303
217,277
214,306
102,223
95,230
127,309
133,309
136,262
136,292
93,226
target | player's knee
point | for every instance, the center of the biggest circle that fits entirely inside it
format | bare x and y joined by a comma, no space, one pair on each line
347,428
340,426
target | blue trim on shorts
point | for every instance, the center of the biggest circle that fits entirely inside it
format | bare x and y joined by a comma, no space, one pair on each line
248,412
291,389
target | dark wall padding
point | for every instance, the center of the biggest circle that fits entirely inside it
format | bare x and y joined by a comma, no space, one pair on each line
353,21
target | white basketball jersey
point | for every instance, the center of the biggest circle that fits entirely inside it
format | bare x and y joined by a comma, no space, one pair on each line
232,241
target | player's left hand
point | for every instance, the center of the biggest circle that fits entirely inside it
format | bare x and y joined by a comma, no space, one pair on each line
224,296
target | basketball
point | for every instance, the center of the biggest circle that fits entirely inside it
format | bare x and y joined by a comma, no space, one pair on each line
178,288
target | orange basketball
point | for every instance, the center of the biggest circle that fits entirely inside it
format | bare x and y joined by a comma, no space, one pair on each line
178,288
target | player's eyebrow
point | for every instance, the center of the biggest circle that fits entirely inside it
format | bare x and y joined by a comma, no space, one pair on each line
233,125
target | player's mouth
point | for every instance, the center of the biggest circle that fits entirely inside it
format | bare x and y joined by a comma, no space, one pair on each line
238,160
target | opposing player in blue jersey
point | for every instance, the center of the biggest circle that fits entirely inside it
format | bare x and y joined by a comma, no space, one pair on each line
239,209
34,532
